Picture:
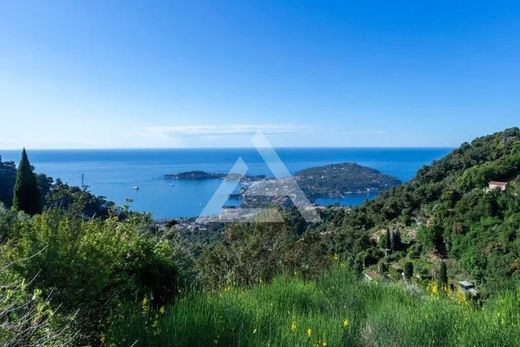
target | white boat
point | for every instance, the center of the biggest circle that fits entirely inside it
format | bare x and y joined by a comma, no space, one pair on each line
135,188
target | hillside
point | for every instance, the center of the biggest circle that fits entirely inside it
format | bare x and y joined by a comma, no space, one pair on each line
336,180
446,213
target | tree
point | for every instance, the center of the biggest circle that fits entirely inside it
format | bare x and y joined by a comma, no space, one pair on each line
388,241
408,271
395,241
443,275
7,179
26,195
383,267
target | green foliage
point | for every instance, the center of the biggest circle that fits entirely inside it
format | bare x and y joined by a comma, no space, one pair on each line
27,195
80,202
26,317
257,252
91,266
334,310
7,219
452,213
7,180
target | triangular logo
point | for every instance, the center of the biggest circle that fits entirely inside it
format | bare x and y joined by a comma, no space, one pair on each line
282,186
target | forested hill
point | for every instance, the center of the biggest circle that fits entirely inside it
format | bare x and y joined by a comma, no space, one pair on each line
336,180
447,212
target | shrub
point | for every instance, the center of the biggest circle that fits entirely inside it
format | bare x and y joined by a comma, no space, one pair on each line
93,265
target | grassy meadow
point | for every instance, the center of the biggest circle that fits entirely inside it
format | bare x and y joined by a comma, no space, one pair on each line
335,310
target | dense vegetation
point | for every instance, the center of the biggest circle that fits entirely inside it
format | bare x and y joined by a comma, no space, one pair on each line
336,180
8,174
7,179
446,213
83,271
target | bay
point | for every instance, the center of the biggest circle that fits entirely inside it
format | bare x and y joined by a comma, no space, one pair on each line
114,173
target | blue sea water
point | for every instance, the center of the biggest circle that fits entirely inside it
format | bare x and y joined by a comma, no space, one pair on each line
114,173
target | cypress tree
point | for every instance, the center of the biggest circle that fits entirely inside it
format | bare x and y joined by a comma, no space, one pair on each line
388,240
443,275
395,243
26,195
408,270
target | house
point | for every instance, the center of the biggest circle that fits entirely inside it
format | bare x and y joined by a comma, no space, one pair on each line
497,185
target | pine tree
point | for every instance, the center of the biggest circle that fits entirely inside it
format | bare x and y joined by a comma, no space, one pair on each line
26,195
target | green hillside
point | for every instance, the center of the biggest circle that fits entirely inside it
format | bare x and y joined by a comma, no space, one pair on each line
446,213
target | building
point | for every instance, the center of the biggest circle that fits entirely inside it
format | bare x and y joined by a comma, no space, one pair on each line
497,185
469,289
465,285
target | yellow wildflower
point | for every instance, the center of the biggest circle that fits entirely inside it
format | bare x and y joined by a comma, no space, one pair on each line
346,323
309,332
162,310
294,327
254,331
433,288
324,344
460,297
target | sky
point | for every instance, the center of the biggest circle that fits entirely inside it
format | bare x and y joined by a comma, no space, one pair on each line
145,74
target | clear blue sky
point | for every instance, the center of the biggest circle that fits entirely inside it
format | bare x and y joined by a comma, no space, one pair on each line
90,74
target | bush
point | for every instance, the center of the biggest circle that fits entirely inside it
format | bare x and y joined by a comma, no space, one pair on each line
27,318
93,265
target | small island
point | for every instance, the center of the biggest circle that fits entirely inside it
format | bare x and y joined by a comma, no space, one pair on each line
194,175
203,175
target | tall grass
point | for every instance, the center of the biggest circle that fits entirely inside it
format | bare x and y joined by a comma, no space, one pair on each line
335,310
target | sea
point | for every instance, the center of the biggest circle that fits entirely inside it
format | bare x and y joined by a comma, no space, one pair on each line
136,176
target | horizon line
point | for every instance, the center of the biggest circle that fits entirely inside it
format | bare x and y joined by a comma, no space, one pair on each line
219,148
